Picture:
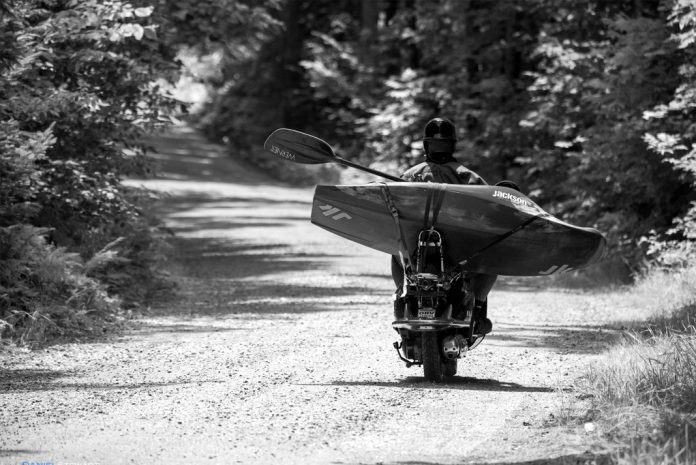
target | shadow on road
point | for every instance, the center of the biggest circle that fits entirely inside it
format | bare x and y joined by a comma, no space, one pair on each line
585,458
14,452
33,380
464,383
217,275
184,328
195,199
580,340
183,154
221,297
212,258
30,376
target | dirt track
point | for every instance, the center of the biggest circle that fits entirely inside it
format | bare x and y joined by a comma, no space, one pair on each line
277,349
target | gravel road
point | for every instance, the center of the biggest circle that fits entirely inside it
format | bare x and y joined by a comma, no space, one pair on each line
277,348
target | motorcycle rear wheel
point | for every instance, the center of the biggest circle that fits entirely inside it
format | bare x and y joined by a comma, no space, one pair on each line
449,368
433,366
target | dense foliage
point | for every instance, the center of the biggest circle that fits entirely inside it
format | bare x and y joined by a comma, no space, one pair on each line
76,93
586,104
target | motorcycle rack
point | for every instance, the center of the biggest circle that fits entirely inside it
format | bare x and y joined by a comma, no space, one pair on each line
429,325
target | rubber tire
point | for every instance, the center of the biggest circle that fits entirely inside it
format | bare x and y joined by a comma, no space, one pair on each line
432,360
449,368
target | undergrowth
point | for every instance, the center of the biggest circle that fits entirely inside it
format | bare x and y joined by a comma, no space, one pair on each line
48,292
45,291
643,391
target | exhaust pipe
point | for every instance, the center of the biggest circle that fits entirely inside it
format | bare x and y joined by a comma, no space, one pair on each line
454,346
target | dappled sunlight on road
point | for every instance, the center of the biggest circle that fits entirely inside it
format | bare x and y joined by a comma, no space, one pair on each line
244,247
184,155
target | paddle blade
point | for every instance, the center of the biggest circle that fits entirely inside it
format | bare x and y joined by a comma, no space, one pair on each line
299,147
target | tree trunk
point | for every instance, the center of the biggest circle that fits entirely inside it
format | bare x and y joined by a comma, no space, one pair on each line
512,71
410,53
291,55
368,31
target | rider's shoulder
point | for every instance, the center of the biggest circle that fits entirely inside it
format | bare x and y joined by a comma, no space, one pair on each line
415,173
466,175
455,165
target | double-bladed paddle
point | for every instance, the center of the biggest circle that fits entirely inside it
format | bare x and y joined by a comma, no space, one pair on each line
299,147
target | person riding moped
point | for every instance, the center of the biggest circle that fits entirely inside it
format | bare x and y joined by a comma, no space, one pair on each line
440,166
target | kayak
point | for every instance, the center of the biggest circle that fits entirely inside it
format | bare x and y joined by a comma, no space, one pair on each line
484,229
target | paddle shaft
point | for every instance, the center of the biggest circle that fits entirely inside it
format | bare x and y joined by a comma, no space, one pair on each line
345,162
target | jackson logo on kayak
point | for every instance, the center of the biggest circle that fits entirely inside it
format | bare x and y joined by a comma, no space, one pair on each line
335,213
282,153
513,198
520,203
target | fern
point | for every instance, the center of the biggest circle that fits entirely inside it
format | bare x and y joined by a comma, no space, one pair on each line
44,290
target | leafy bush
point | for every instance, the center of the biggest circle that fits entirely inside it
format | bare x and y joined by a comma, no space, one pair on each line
77,91
673,137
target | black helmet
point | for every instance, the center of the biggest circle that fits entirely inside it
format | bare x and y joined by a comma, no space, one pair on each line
439,139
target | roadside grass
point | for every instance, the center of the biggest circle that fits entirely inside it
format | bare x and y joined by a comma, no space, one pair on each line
642,393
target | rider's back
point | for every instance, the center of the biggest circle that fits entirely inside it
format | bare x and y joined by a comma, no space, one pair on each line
451,172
